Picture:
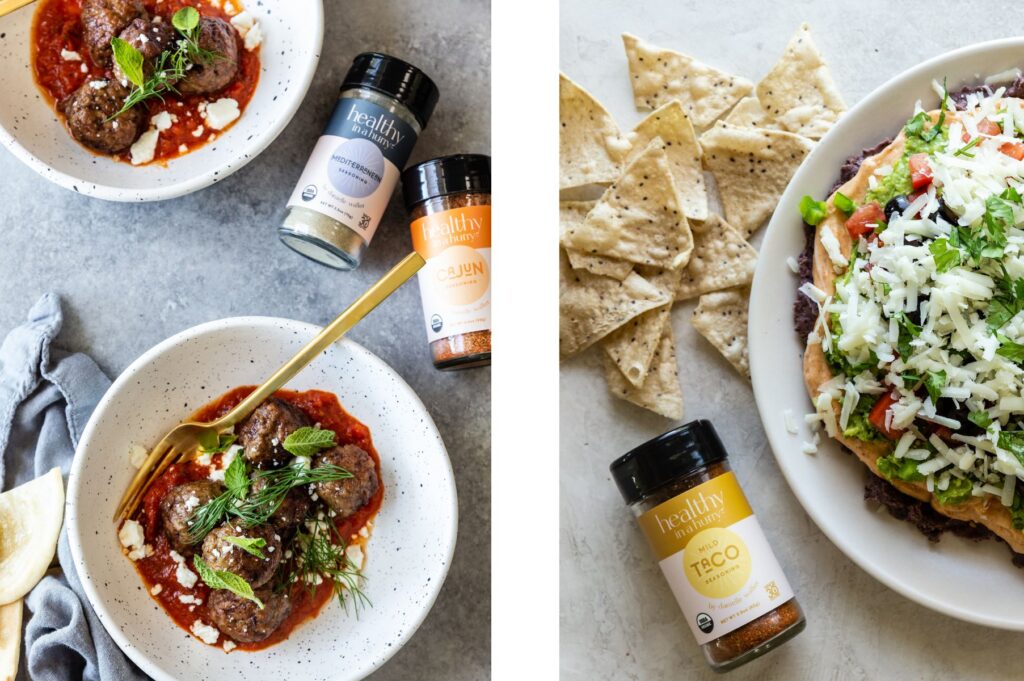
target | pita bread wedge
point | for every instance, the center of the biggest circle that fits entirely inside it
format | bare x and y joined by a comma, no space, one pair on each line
10,639
571,215
632,345
752,168
721,317
638,218
590,146
721,259
669,122
661,392
659,76
749,114
799,93
592,306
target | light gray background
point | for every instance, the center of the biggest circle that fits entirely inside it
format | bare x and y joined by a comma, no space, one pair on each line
132,275
618,617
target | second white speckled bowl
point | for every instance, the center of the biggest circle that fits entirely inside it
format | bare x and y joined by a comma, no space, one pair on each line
293,32
407,556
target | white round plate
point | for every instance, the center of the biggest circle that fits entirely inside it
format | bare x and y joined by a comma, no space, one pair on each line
293,32
967,580
407,556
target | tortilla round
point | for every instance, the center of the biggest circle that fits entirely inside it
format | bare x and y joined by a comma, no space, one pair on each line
985,510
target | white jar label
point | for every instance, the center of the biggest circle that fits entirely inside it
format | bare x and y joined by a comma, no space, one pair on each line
715,557
455,283
355,165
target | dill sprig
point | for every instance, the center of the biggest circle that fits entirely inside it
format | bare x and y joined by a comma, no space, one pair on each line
257,508
320,551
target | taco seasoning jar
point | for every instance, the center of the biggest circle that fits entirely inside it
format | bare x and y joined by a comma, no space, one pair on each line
348,181
710,546
449,200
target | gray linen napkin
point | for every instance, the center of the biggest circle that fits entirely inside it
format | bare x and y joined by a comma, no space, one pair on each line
46,397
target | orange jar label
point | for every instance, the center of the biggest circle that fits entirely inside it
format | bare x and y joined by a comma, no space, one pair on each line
455,284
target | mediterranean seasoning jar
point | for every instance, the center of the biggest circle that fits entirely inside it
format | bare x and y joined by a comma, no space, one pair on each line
710,546
449,200
348,181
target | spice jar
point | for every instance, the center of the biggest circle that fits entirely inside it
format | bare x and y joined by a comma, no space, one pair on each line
348,181
449,200
709,544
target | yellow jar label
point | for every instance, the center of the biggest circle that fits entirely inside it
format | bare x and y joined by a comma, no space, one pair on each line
715,557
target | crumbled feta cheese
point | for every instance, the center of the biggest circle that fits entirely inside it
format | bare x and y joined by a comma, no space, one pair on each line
222,113
157,588
204,632
787,416
185,577
189,598
98,84
144,149
249,29
229,645
162,121
182,148
137,455
83,68
354,554
363,532
131,535
198,132
70,55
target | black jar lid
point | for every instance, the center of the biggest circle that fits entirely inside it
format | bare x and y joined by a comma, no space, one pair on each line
394,78
446,175
669,456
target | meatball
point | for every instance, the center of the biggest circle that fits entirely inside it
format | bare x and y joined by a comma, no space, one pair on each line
220,554
88,111
265,429
218,36
242,620
104,19
177,507
347,496
293,508
150,39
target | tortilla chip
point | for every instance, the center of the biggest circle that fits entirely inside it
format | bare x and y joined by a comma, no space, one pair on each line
632,345
721,259
799,93
673,127
661,392
752,168
571,214
591,306
638,218
659,76
721,317
590,146
749,114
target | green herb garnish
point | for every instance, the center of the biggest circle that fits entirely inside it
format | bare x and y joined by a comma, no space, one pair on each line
251,545
321,552
223,441
946,257
813,212
1009,349
965,149
236,478
129,59
308,441
934,382
1013,442
980,418
224,579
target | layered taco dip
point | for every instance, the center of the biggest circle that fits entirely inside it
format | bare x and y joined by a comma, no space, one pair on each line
914,314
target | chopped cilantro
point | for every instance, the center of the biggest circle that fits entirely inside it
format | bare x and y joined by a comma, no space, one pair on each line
1013,442
980,418
946,257
934,382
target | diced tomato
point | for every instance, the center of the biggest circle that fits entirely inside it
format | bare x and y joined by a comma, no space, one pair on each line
865,219
1013,150
920,171
965,136
877,415
987,127
944,433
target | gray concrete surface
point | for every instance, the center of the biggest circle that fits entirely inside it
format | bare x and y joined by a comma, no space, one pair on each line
618,618
132,275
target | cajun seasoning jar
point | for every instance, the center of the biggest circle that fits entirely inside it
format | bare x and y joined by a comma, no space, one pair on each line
449,200
350,176
710,546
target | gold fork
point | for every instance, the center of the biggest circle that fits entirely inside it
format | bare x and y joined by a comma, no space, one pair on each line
184,438
8,6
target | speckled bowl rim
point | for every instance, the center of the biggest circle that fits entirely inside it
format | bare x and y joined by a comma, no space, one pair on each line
73,490
247,149
779,383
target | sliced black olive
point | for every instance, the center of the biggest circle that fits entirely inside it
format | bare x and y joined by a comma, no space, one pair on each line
897,204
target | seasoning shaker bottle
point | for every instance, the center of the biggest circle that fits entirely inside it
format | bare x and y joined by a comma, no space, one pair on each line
352,172
709,545
449,200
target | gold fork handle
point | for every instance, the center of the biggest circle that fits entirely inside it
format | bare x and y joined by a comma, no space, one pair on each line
8,6
362,306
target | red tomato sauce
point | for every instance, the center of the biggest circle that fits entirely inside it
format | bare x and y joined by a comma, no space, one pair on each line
57,26
159,569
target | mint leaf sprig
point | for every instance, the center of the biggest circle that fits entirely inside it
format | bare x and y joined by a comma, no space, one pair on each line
225,579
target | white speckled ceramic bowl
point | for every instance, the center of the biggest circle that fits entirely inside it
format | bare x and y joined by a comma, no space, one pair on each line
972,581
407,556
32,131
